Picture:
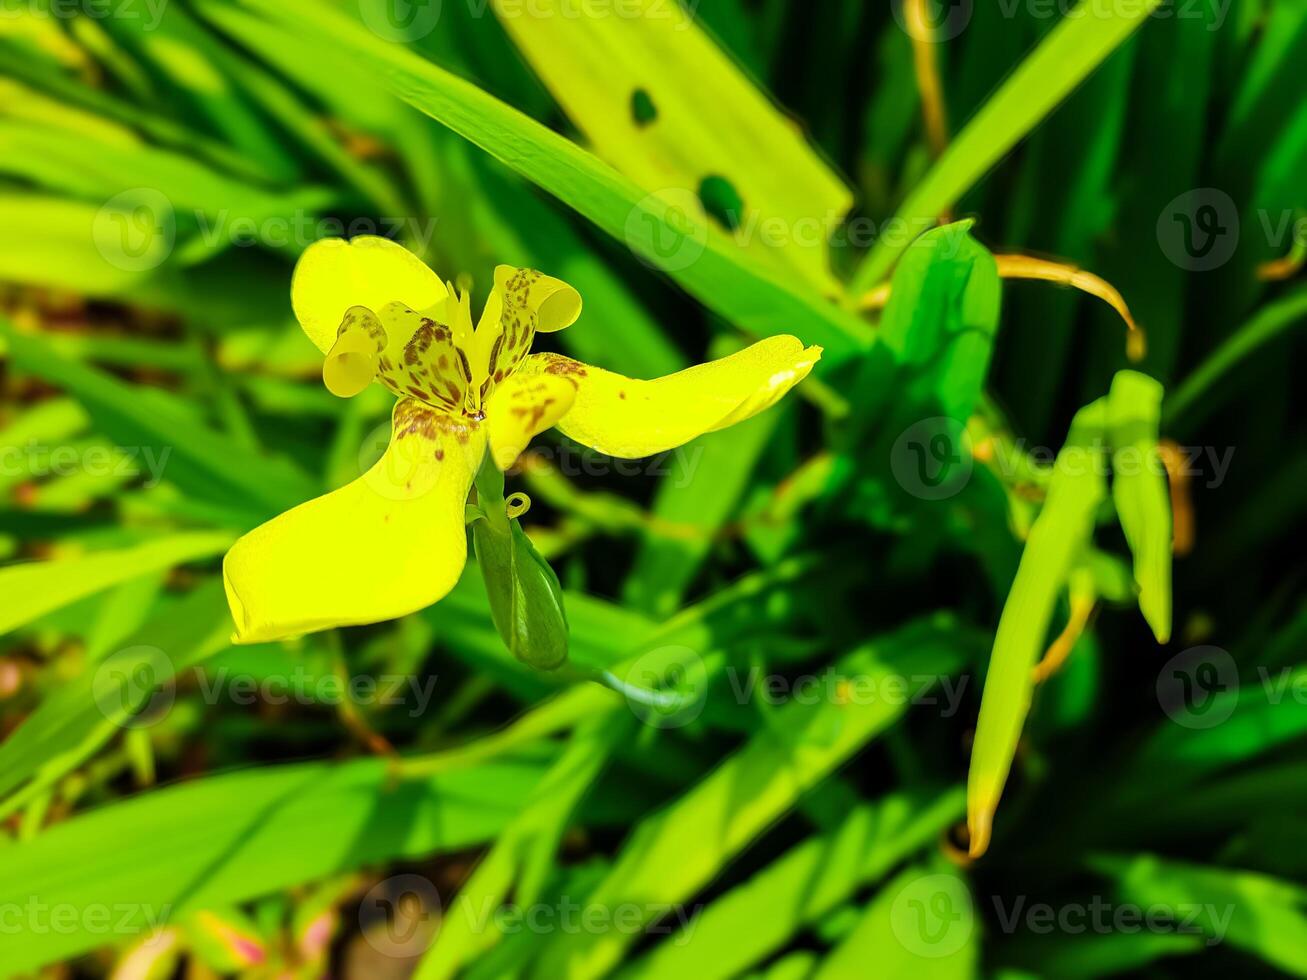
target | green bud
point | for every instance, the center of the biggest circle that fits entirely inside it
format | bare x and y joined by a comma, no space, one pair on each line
526,599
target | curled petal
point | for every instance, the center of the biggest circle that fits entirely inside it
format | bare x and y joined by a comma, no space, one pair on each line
334,275
353,360
523,302
554,303
521,408
627,418
388,544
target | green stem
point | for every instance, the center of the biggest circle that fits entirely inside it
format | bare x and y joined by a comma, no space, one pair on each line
489,484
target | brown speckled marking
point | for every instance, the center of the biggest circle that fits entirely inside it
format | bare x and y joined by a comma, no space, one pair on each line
536,412
425,362
361,318
430,353
564,367
517,329
412,418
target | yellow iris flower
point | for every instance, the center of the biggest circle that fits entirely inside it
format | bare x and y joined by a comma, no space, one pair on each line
393,541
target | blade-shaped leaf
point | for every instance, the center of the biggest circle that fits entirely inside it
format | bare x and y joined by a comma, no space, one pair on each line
1059,535
1066,56
636,84
1139,490
663,234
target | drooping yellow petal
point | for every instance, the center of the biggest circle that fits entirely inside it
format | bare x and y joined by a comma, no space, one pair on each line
334,275
354,358
523,407
628,418
523,302
388,544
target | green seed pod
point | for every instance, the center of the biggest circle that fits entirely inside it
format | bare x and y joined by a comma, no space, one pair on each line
526,599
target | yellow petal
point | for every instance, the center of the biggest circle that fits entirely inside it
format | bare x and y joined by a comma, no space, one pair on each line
334,275
523,407
523,302
354,358
430,366
388,544
629,419
555,304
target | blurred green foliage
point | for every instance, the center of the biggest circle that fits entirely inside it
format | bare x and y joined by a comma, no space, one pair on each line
755,762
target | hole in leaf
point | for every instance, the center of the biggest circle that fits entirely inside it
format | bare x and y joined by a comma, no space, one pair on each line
643,110
721,200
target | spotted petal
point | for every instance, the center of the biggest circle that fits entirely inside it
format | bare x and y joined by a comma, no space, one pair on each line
431,366
521,408
522,303
388,544
628,418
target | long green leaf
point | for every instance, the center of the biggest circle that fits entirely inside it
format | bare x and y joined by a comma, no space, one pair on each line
33,589
1139,490
1194,399
1060,533
1256,913
674,853
84,713
666,237
920,926
227,839
1077,46
635,86
797,891
194,456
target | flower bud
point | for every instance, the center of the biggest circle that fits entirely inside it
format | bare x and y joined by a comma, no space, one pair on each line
526,599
